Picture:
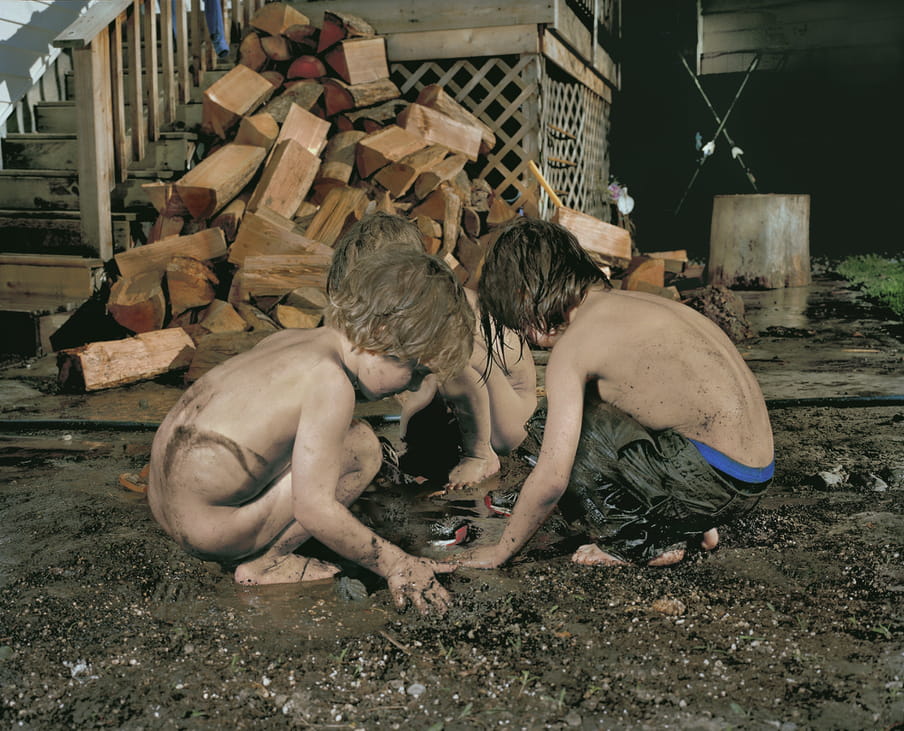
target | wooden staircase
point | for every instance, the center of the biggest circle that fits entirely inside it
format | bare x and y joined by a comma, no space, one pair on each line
70,187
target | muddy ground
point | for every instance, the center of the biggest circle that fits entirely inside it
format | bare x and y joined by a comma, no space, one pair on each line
794,622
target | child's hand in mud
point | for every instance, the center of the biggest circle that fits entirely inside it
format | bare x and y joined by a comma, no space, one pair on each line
487,557
415,579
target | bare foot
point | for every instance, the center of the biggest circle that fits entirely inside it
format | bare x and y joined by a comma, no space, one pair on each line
710,540
593,555
471,470
289,569
668,558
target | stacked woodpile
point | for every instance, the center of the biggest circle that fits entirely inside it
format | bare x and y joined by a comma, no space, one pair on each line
304,136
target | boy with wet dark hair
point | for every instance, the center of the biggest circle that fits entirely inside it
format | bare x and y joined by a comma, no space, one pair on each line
490,412
656,429
262,452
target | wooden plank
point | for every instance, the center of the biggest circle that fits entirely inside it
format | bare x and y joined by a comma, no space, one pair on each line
168,66
48,275
578,37
266,232
136,85
205,245
96,161
83,31
556,52
150,63
464,43
118,103
185,84
52,151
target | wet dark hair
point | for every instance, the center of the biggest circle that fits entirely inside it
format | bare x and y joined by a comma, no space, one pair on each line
533,274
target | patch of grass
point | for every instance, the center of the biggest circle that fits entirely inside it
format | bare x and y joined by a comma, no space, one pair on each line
879,278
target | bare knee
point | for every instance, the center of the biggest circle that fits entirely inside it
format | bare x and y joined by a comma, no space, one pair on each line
364,450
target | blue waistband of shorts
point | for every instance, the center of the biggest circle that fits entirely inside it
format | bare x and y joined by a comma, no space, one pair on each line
737,470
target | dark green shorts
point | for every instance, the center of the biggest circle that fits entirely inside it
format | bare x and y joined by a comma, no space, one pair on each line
639,492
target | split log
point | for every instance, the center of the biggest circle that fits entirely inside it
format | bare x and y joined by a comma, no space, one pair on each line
274,77
398,177
434,205
428,227
440,129
443,172
218,347
306,67
256,319
286,179
675,260
112,363
164,227
266,232
435,97
276,18
470,253
390,144
340,97
377,117
137,302
500,212
303,34
218,178
220,316
277,48
305,128
258,130
294,317
339,26
230,218
359,61
481,195
595,235
338,163
277,275
644,269
231,97
304,93
190,283
306,298
451,220
461,274
341,207
470,222
205,245
158,194
251,52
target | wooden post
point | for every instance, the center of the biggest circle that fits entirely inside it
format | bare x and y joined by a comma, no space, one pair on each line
182,52
760,241
120,141
168,67
95,160
136,86
150,63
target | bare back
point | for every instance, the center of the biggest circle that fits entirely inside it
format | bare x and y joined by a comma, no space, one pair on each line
668,366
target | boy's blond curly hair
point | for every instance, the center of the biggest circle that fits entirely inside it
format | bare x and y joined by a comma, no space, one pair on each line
373,232
406,304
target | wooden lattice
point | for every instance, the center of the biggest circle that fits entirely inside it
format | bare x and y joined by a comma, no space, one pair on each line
537,112
574,147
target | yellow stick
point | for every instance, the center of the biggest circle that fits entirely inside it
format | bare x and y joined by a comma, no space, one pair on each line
546,186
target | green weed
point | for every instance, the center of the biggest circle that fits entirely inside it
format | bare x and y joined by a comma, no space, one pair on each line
879,278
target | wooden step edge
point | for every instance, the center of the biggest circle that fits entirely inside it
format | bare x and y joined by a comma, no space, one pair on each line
51,213
51,260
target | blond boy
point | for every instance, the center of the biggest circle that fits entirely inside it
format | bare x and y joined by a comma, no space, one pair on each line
263,453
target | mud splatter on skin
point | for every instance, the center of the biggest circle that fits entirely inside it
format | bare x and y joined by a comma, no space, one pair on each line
186,438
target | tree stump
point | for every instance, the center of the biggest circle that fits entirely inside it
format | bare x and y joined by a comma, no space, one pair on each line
760,241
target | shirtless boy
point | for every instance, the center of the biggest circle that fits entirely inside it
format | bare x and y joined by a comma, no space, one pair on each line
654,419
262,452
490,412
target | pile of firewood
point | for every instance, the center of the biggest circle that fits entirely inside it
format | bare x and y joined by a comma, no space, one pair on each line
304,136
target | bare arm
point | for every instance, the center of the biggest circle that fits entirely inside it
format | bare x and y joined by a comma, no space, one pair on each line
565,382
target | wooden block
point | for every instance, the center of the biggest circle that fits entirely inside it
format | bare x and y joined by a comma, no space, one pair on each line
340,97
294,317
218,178
190,283
440,129
251,52
451,220
341,207
428,226
206,245
461,274
359,60
379,115
275,18
470,253
164,227
398,177
137,303
644,269
227,100
443,172
595,235
218,347
277,275
435,97
230,218
306,67
258,130
266,232
307,298
338,26
110,363
470,222
308,130
286,179
277,48
338,162
389,144
257,319
220,316
303,34
305,93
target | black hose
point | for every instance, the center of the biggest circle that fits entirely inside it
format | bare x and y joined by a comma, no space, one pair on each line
380,419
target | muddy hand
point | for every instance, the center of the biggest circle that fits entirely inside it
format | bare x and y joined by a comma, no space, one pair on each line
487,557
415,579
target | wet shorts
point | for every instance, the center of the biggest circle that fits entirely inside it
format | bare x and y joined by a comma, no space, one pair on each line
641,493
